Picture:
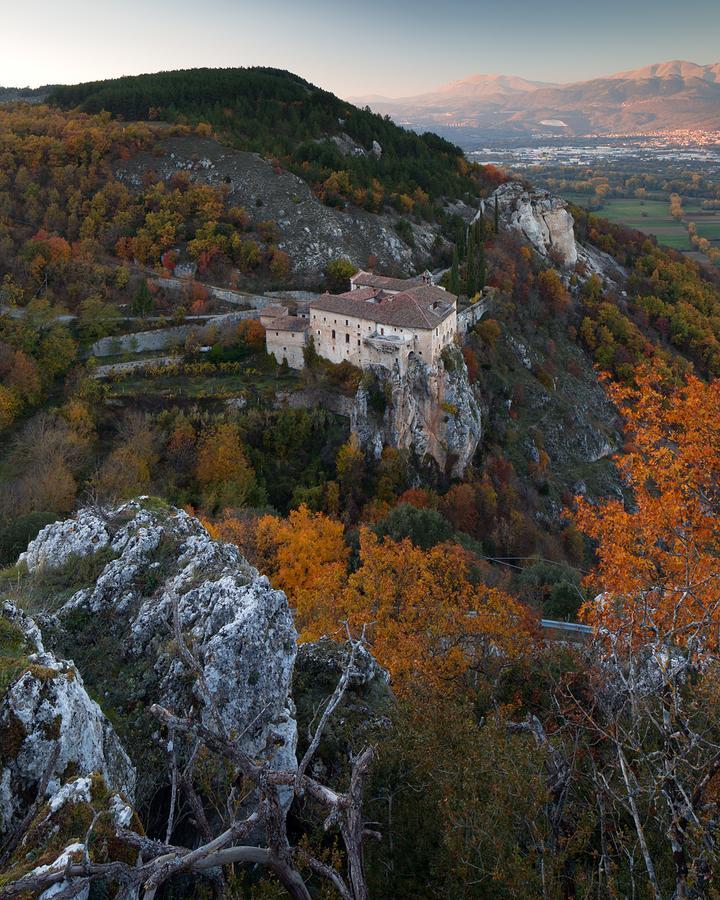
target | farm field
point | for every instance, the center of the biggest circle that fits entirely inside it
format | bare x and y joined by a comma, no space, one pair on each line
651,216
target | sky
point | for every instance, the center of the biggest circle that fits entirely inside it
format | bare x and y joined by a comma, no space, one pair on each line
388,47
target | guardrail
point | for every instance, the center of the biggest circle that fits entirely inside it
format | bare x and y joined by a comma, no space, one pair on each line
572,631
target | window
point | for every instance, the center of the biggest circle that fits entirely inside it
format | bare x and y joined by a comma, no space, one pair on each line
333,334
346,322
382,331
347,338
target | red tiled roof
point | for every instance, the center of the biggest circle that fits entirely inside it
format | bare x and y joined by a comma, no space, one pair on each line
423,306
289,323
368,279
274,310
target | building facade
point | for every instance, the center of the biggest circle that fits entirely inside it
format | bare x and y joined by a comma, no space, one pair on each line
286,338
384,323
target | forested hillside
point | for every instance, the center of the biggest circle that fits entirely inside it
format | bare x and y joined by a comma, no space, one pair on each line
278,114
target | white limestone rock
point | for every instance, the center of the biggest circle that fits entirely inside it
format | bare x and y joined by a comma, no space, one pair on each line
80,536
240,630
596,262
431,411
62,823
73,853
540,217
46,705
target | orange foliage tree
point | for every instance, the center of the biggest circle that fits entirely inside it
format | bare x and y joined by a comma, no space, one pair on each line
659,559
252,333
304,555
426,620
222,470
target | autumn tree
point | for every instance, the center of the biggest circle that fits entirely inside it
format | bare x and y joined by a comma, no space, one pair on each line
223,473
129,469
47,457
306,556
252,333
553,291
658,558
279,264
429,621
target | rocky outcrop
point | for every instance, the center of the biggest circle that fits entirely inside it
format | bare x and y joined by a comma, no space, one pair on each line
158,591
594,261
349,147
46,713
120,630
430,410
84,807
540,217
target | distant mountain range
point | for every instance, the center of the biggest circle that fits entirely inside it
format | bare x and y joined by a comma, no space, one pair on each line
659,98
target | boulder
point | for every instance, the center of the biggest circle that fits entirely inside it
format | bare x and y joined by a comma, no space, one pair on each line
541,217
363,714
59,541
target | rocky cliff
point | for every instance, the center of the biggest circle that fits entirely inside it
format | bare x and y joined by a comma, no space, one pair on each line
51,729
430,411
153,576
540,217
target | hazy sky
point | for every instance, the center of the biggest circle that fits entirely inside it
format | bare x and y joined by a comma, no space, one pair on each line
392,47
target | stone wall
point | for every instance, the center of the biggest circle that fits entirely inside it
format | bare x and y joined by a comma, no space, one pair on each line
254,301
286,345
468,318
163,338
309,398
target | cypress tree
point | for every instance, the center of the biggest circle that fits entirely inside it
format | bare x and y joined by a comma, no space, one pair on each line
471,280
455,273
478,232
143,303
481,266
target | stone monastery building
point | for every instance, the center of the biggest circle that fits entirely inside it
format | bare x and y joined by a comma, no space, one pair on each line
379,321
